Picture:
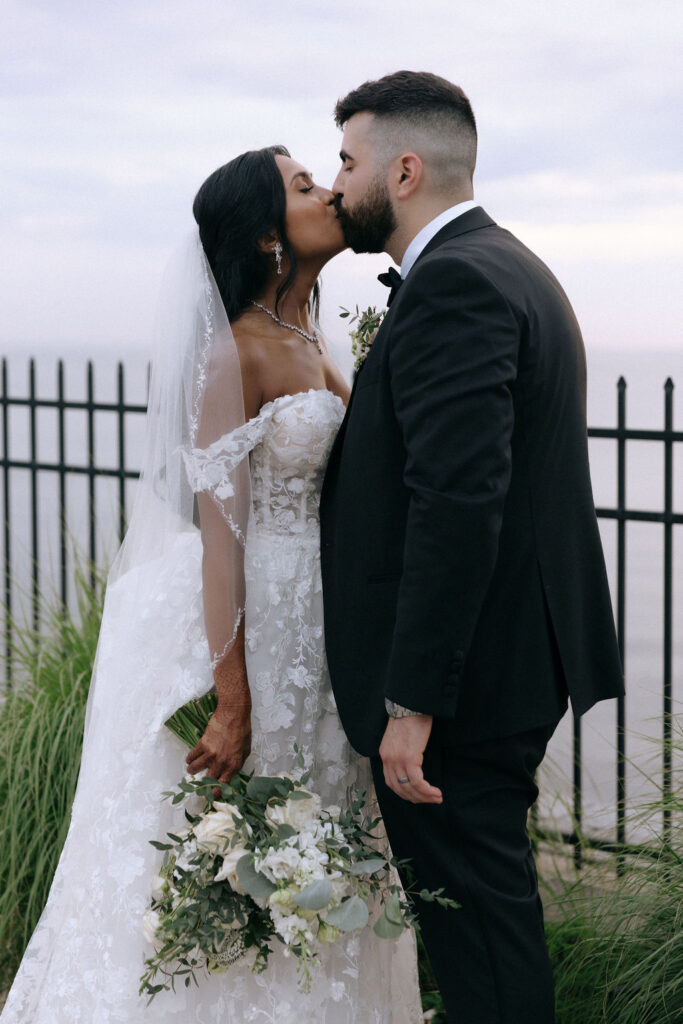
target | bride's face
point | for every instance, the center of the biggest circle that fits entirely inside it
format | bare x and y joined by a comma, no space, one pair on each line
313,227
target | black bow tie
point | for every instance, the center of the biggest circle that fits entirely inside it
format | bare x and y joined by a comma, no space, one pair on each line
393,280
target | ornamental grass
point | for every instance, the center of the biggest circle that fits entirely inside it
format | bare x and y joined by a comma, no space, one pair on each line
41,726
616,942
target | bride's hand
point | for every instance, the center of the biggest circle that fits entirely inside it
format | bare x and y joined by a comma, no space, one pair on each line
225,745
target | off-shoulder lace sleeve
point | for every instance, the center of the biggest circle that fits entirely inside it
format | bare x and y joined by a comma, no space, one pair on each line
215,470
219,475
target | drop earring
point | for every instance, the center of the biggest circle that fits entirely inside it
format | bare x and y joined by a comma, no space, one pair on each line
278,257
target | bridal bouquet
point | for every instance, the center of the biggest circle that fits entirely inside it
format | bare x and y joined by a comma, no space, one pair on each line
265,863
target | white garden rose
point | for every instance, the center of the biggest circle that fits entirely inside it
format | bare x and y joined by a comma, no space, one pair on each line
150,927
160,887
228,869
216,827
296,813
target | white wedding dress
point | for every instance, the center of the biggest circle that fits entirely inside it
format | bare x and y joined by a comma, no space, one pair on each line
84,961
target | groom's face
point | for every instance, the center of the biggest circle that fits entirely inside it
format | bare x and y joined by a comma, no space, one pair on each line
361,194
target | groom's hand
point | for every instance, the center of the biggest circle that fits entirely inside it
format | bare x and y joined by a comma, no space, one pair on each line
401,751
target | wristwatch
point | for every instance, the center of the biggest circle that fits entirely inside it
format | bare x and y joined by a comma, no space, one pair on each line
398,711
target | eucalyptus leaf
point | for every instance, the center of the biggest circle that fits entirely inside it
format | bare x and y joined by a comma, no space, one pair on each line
261,788
387,929
315,896
367,867
286,831
349,915
299,794
392,908
253,882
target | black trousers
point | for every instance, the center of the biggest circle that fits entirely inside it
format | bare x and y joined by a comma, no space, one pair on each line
489,956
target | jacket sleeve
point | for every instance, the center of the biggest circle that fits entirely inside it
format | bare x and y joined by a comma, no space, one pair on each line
452,367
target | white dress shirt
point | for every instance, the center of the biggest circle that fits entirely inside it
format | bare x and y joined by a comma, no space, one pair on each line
429,230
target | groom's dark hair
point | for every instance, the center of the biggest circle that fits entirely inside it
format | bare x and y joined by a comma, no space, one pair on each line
408,103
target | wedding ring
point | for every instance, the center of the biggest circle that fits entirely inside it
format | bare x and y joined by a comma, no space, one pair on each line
402,781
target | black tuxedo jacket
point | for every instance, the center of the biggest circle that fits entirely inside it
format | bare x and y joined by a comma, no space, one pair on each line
463,572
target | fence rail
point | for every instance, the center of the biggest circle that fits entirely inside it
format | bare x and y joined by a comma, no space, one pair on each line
123,410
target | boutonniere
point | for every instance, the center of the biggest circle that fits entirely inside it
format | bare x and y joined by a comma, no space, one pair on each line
365,331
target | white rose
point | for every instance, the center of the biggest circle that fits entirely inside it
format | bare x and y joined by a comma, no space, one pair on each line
160,887
150,927
296,813
216,827
183,859
228,870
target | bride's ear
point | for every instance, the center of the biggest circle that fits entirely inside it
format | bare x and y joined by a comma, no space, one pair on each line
268,243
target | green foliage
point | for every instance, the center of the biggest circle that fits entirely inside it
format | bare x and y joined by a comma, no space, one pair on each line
41,725
617,942
618,955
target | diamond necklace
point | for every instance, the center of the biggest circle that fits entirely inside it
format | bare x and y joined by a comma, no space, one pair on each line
313,338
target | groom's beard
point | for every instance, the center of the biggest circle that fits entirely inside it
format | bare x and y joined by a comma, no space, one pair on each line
370,224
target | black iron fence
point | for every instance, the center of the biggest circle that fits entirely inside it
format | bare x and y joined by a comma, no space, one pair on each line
65,471
667,437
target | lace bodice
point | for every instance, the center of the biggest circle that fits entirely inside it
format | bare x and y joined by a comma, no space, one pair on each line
287,466
288,443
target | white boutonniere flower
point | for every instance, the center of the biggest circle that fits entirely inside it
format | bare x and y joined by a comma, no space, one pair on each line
365,332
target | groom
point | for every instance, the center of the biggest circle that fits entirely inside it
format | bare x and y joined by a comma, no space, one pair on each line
465,589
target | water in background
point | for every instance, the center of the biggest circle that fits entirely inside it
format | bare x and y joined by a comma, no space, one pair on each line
645,372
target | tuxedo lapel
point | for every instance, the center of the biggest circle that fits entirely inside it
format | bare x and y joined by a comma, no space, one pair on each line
473,220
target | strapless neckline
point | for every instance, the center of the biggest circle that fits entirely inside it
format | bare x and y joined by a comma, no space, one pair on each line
267,406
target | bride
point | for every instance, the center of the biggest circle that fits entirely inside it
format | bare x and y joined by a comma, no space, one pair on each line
244,406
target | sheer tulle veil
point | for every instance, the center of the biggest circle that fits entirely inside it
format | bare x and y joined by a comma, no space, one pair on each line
195,399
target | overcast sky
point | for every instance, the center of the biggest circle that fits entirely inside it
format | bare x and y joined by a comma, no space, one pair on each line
114,113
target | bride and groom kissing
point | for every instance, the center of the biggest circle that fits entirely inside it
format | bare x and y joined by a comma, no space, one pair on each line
404,579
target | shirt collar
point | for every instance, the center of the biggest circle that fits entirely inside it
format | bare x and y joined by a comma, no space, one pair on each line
429,230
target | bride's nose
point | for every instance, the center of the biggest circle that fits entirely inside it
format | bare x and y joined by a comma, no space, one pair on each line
327,196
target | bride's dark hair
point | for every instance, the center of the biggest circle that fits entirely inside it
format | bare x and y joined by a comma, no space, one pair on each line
237,206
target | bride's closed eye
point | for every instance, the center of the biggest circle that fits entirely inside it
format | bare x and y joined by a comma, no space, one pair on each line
309,189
